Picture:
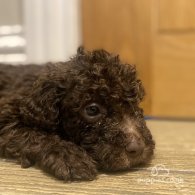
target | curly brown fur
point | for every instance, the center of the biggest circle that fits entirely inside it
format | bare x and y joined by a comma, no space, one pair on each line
72,118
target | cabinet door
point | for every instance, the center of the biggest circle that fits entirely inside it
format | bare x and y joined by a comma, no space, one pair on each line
173,58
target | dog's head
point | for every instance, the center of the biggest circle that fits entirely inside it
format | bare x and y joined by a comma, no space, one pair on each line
93,101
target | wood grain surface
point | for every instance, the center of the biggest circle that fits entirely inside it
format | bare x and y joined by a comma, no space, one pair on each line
172,171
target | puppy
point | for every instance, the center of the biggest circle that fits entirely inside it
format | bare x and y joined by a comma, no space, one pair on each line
74,118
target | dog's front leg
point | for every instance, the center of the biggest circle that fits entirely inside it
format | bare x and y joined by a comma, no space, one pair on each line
63,159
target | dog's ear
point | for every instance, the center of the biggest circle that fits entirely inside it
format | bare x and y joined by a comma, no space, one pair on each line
133,87
80,50
41,107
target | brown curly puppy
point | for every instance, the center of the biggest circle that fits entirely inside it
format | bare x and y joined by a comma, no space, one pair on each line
72,118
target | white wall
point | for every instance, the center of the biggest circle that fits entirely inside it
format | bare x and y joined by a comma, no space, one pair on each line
52,29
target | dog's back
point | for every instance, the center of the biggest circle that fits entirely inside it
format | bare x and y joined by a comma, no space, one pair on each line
14,78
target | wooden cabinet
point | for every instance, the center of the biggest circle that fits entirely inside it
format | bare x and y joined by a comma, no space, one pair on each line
156,35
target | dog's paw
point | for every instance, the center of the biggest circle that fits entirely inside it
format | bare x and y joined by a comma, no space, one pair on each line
79,169
71,167
82,169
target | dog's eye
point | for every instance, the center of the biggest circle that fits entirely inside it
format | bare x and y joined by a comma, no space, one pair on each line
92,110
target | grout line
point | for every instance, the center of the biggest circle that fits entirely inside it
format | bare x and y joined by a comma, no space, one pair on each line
164,118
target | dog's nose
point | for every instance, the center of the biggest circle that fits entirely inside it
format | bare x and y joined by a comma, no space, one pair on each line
135,147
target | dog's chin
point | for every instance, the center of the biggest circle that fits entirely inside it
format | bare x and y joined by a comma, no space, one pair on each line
124,162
